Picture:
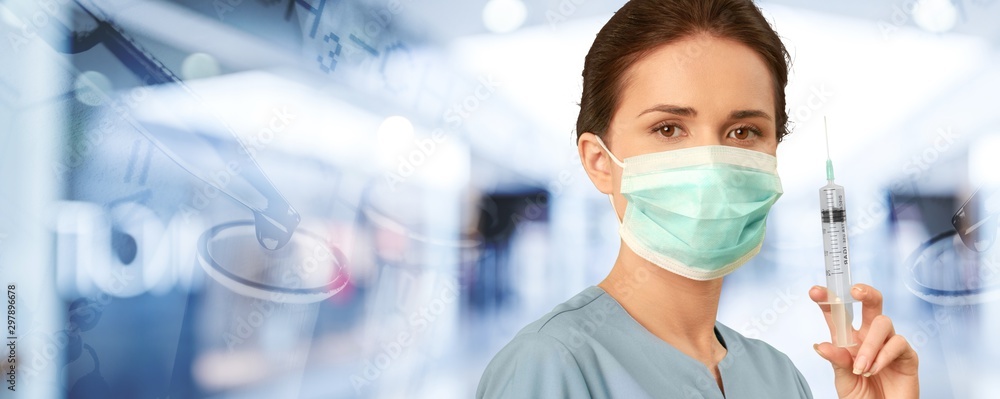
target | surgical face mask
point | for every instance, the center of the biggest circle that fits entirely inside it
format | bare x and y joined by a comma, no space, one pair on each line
698,212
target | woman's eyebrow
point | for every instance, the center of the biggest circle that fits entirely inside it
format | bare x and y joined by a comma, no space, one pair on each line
690,112
670,109
749,113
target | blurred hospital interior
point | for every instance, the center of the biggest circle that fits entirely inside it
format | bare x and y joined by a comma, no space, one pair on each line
369,198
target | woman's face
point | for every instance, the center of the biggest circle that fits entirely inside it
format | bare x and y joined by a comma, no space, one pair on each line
698,91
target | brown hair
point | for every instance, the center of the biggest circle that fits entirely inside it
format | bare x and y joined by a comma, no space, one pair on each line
642,25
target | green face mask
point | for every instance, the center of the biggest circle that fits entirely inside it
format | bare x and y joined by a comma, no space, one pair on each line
699,212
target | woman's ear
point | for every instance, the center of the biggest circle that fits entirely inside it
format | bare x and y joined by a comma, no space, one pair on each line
596,162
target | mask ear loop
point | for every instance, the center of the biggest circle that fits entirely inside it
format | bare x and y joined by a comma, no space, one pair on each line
611,198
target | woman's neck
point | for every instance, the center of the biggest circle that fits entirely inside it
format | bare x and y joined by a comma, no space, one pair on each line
678,310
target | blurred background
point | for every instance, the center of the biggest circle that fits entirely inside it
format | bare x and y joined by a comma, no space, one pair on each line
369,198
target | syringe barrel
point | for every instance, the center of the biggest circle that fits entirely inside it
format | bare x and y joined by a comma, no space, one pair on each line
833,214
831,197
835,248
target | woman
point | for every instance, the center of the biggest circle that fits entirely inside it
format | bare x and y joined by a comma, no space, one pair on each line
683,108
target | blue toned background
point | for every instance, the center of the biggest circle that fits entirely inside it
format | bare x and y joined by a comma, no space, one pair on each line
421,155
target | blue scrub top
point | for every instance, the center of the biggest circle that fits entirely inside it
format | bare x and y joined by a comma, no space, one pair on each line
590,346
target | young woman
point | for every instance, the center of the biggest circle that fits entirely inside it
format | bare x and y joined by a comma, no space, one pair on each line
683,108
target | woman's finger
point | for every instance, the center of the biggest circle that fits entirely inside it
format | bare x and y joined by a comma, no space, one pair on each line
879,332
818,294
840,358
871,304
894,348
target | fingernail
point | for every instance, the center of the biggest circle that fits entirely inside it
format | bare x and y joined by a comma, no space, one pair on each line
858,289
868,374
816,348
860,364
871,370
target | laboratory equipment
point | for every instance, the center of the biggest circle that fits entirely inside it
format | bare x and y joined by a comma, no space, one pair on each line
308,269
943,271
838,269
958,267
976,220
210,150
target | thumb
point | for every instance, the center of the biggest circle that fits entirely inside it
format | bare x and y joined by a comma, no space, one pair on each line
840,358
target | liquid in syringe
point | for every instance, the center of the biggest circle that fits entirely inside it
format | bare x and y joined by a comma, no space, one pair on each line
833,215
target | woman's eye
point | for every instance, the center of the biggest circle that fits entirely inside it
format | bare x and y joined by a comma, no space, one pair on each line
743,133
668,131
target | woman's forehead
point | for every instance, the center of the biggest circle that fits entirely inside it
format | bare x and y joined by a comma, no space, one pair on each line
703,72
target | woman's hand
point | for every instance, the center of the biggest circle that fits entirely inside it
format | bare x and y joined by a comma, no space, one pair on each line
882,365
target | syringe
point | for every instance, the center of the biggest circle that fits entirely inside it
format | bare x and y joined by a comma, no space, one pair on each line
838,269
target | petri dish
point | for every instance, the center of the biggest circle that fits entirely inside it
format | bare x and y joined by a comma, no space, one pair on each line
943,271
308,269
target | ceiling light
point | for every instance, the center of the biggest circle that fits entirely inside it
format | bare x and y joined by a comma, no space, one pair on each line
936,16
502,16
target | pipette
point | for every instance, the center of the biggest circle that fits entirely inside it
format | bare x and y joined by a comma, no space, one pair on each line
838,269
226,165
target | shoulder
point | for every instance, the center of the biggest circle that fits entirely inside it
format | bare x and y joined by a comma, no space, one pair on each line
533,365
538,361
572,316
